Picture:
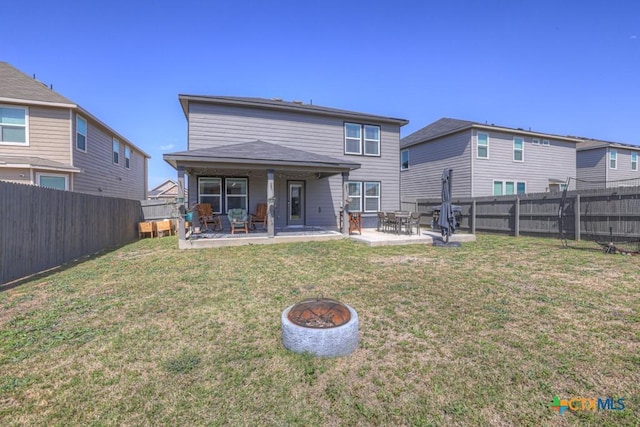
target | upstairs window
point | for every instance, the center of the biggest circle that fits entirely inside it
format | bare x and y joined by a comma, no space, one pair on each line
127,157
116,151
81,134
404,160
361,139
535,141
518,149
371,140
13,126
483,145
613,159
352,138
634,161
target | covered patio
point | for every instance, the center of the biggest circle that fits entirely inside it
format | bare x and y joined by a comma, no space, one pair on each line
301,189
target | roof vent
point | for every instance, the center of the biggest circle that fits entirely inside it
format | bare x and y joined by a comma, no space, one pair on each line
277,99
297,102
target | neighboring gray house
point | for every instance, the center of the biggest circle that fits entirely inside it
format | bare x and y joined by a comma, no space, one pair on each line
603,164
295,156
168,191
486,160
48,140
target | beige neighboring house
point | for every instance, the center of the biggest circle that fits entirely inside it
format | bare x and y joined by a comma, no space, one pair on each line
168,190
50,141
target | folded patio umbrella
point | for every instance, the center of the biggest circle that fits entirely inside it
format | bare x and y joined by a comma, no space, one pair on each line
447,219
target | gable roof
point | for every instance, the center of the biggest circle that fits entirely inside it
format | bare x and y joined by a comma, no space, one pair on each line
259,153
17,86
280,105
447,126
592,144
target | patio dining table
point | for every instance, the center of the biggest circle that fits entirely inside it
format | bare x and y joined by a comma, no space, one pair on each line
403,218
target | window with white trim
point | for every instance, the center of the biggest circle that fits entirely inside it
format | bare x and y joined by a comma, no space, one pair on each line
518,149
116,151
13,125
127,157
545,142
52,180
371,196
613,159
210,191
371,140
535,141
404,160
483,145
81,134
508,187
634,161
352,138
361,139
354,192
236,193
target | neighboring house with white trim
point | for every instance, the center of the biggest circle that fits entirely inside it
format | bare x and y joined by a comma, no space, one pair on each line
486,160
168,190
604,164
304,160
48,140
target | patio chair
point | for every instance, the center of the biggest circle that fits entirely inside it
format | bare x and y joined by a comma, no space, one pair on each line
382,221
355,222
414,221
259,216
238,218
392,222
207,218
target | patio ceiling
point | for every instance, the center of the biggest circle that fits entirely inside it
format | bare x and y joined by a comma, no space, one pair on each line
259,155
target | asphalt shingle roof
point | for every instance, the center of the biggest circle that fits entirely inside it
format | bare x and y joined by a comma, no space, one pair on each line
443,126
260,152
14,84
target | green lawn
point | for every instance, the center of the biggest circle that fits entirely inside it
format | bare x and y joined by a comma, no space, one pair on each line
486,334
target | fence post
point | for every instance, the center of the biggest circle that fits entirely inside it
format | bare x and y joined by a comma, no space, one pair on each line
576,214
473,216
517,217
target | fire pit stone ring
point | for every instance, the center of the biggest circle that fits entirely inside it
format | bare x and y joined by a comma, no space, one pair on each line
324,341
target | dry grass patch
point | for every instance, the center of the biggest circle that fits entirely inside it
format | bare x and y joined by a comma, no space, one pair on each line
482,335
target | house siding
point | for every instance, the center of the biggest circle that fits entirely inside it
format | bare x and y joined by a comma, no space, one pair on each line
542,163
48,135
100,175
214,126
14,175
423,179
591,168
623,170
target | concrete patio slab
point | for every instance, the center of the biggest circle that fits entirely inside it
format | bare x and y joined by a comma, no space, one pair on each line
372,237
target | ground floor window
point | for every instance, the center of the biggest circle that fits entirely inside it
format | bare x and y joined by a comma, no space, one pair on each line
223,193
507,187
50,180
367,201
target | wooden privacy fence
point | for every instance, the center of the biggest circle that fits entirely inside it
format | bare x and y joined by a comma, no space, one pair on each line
153,210
41,228
603,213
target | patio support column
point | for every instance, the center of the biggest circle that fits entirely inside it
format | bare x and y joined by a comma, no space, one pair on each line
182,203
345,204
270,203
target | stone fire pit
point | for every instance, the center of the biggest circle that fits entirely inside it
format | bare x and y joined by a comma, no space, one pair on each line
321,326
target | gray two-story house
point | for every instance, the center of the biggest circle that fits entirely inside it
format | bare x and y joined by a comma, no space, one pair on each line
603,164
50,141
486,160
307,162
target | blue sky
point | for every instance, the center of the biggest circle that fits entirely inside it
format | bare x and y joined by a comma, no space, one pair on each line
565,67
